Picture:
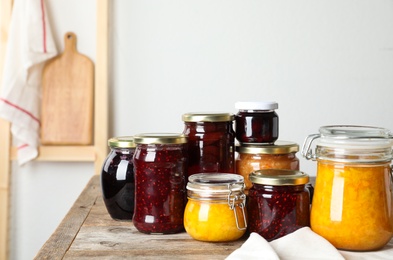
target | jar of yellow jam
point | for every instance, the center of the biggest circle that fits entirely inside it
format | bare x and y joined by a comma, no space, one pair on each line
215,211
352,205
253,157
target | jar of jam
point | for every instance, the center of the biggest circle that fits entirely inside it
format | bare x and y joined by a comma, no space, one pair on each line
278,202
160,189
353,202
210,142
215,210
256,122
253,157
117,178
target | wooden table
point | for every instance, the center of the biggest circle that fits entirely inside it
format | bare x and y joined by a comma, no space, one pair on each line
88,231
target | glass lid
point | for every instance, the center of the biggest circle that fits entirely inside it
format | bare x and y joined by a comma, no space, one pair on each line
354,131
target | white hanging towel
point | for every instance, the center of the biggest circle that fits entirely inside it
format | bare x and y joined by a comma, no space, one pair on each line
30,44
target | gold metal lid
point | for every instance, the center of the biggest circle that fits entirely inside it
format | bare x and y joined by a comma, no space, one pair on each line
121,142
279,147
277,177
160,138
208,117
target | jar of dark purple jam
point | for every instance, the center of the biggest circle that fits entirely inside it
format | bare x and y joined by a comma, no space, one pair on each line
256,122
210,142
117,178
160,181
278,202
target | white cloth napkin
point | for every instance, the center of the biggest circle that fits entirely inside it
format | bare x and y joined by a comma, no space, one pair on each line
301,244
29,44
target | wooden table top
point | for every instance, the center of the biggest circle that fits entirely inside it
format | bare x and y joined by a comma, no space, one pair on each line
88,231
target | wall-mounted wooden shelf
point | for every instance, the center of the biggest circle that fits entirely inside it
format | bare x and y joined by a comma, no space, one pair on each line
63,153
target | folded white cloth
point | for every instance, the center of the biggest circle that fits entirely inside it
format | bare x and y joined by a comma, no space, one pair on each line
304,244
30,43
255,247
301,244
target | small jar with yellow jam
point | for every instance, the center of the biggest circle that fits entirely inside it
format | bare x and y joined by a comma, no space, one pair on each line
352,205
215,211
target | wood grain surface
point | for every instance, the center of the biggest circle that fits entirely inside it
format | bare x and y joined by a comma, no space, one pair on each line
88,232
67,97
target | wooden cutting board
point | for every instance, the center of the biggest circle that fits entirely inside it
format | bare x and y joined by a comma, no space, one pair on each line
67,97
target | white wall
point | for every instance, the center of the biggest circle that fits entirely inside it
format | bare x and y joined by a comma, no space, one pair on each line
324,62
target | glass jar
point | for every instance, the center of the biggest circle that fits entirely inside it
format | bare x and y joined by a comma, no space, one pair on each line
215,210
253,157
210,142
353,203
160,189
117,178
278,202
256,122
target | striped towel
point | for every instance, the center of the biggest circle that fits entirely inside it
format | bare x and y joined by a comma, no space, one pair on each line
29,45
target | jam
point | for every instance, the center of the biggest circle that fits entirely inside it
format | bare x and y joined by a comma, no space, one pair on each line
253,157
278,203
256,122
160,195
210,142
117,178
215,210
353,201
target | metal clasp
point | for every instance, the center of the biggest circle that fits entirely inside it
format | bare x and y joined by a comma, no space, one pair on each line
232,203
306,148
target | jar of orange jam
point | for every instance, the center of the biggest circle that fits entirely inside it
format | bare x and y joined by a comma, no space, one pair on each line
352,205
253,157
215,211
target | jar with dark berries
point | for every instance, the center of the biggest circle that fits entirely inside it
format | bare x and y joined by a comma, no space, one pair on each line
117,178
210,142
160,181
278,202
256,122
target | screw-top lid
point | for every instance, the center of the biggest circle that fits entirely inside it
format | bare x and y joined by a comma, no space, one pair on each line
276,177
121,142
160,138
279,147
260,105
208,117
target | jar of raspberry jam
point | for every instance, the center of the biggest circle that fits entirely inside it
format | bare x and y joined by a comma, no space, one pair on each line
278,202
160,184
210,142
253,157
117,178
256,122
215,210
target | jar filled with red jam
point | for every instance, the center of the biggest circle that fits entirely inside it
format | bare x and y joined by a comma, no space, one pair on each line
160,177
256,122
117,178
210,142
253,157
278,202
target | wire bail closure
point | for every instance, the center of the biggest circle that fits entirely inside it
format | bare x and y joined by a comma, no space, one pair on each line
306,148
232,205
